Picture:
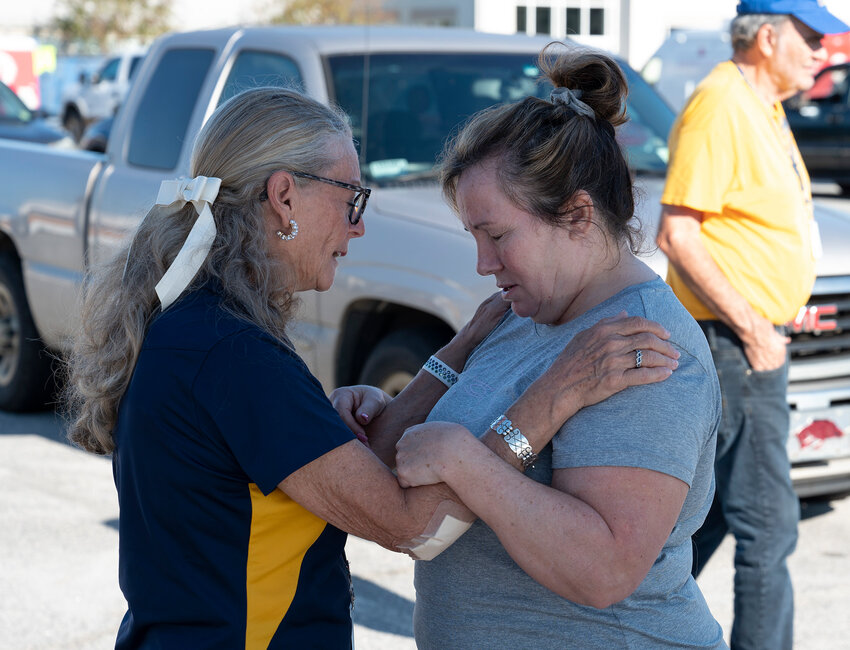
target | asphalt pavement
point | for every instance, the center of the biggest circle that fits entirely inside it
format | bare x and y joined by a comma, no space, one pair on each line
59,557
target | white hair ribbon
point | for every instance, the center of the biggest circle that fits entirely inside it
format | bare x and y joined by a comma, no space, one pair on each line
201,192
571,99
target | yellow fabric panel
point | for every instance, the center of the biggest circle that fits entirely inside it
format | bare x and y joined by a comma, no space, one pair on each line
735,167
281,534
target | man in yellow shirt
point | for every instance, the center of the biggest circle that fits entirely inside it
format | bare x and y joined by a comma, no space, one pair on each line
738,230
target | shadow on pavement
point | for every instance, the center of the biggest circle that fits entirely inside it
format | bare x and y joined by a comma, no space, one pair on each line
817,506
380,609
48,424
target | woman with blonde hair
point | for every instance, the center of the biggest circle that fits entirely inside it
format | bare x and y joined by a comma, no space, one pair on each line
591,547
237,481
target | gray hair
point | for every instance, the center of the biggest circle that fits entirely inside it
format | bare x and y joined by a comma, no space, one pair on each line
245,141
745,27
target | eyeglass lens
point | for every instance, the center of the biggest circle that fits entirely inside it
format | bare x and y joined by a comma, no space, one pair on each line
355,212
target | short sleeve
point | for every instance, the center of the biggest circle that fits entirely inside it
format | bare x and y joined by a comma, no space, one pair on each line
702,163
663,427
271,412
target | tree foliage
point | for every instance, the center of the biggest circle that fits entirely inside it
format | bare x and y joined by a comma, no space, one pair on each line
328,12
102,24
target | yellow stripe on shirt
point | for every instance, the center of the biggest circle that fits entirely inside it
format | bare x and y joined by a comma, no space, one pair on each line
281,534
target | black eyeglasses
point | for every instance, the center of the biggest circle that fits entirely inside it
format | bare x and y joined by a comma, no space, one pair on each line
356,206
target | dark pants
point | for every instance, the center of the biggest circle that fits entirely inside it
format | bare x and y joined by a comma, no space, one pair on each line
754,500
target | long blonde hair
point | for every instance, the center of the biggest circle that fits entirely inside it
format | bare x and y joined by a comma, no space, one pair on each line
244,142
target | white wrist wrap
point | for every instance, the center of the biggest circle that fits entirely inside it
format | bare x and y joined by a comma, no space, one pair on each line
442,531
446,535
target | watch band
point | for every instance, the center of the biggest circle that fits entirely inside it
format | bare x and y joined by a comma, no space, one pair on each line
515,439
441,371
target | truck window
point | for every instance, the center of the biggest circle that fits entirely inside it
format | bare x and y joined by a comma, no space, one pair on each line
415,101
162,117
134,65
253,68
109,71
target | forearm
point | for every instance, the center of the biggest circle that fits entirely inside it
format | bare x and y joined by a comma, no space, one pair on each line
412,405
539,413
351,489
705,279
557,539
679,239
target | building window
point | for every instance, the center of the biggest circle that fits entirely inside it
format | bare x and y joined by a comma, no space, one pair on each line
573,20
521,19
544,20
597,22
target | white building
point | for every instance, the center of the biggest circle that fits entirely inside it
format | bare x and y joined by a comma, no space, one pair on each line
634,29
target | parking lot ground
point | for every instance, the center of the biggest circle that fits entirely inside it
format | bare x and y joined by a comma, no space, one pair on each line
59,557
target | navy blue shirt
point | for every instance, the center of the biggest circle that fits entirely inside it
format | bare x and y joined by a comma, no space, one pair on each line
212,555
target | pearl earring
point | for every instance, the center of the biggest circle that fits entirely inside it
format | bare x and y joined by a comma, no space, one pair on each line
293,233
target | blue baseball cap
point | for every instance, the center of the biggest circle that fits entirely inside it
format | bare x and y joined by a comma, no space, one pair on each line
808,12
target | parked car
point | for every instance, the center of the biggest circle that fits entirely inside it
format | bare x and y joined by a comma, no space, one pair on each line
411,283
99,96
820,120
17,122
96,137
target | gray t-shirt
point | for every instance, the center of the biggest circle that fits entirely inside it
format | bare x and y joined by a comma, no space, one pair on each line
474,595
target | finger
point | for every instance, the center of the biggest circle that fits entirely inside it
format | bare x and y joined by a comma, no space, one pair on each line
641,376
362,438
647,341
649,359
636,324
370,407
342,399
352,424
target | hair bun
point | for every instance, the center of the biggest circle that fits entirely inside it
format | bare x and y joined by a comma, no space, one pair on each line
594,77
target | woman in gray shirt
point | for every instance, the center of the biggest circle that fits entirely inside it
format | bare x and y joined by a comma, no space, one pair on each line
590,547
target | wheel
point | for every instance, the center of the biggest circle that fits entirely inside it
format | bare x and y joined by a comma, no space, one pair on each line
26,377
398,357
73,122
845,188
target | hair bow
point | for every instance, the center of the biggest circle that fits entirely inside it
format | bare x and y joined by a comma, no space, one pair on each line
571,99
201,192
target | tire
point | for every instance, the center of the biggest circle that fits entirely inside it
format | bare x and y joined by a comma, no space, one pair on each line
74,124
845,188
398,357
26,372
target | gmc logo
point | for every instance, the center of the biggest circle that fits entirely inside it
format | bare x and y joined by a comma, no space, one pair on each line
810,320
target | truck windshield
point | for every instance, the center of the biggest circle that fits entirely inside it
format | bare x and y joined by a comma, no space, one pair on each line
415,101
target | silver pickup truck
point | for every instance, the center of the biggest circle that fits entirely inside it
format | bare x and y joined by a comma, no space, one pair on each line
411,282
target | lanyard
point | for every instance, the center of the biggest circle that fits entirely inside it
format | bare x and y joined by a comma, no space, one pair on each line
786,138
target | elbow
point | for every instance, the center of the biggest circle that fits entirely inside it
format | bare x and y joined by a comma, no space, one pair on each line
608,585
606,594
667,241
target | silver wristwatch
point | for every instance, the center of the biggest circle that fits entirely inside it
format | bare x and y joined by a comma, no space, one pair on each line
516,441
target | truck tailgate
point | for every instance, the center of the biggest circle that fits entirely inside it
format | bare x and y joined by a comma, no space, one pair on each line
43,208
